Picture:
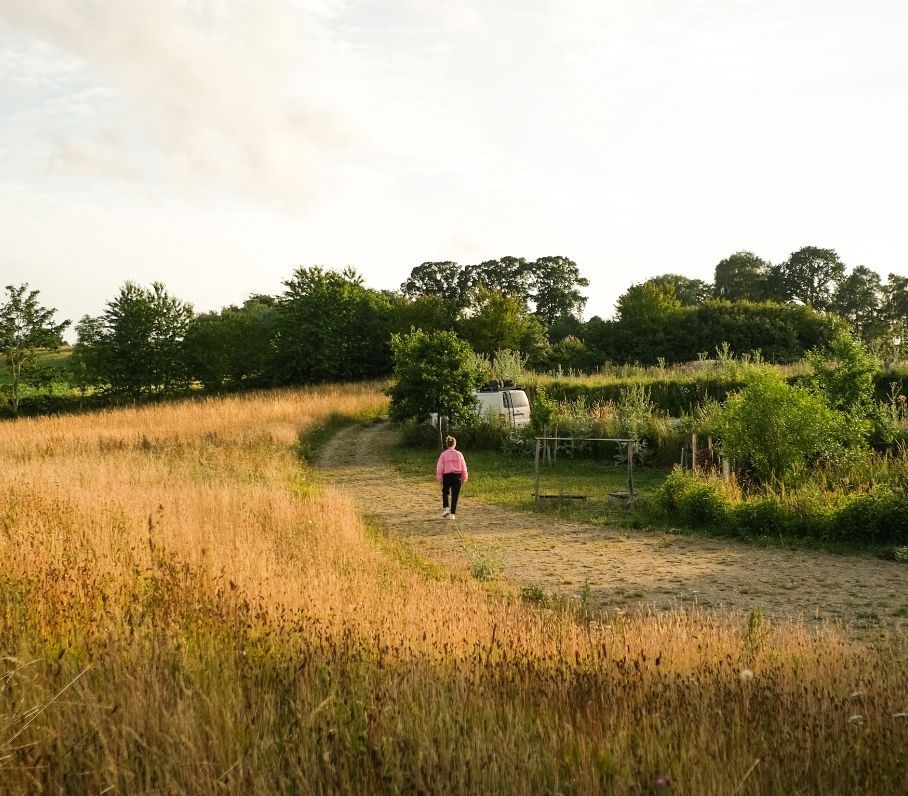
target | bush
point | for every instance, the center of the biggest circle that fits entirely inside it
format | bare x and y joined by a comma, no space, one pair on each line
762,517
877,516
693,500
418,435
776,431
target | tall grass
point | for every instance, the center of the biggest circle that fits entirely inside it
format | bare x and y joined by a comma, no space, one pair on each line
184,608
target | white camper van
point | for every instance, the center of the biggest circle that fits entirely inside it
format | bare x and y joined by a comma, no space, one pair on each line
501,400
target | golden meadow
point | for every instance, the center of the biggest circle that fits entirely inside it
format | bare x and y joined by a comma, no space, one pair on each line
184,607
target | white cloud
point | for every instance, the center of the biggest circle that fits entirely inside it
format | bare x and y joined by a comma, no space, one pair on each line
220,91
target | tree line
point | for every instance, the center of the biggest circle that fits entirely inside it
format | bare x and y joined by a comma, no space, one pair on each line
327,325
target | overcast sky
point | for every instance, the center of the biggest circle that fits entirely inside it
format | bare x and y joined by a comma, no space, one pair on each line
215,145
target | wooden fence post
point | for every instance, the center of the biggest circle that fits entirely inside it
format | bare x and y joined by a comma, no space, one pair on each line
630,470
536,472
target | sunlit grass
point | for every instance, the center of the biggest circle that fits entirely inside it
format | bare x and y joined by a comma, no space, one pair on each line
54,361
183,609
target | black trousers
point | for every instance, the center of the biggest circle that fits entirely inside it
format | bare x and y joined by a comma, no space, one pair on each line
450,485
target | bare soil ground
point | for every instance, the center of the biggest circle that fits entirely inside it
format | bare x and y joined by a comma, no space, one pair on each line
617,569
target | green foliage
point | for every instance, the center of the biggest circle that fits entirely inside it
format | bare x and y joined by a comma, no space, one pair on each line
811,276
430,313
859,300
508,364
499,322
775,431
544,414
688,291
448,281
570,355
652,326
331,327
741,277
25,328
844,374
509,276
695,501
233,347
136,346
635,412
555,293
762,516
435,374
878,516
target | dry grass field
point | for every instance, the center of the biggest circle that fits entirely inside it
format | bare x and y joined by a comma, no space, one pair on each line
185,609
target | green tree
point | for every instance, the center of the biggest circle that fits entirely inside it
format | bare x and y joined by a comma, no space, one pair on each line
329,326
774,431
647,319
449,281
859,300
689,292
741,276
555,288
233,347
895,309
811,276
136,346
85,365
510,276
429,313
435,374
781,332
25,328
501,322
569,354
843,373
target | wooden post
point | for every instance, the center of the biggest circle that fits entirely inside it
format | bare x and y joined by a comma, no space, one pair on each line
536,474
630,470
693,452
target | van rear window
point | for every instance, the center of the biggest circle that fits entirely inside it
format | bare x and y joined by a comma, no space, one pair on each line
518,399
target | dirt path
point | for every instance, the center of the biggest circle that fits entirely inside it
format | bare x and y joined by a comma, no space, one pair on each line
616,568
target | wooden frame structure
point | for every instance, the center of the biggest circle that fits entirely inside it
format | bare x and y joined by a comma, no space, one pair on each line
556,440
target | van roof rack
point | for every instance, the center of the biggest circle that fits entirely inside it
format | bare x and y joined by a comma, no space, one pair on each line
497,385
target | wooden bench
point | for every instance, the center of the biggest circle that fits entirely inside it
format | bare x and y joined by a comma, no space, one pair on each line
559,498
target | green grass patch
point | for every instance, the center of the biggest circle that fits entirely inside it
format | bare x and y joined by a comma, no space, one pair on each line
54,361
508,481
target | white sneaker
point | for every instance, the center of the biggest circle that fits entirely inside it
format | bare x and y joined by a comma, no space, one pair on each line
451,516
445,512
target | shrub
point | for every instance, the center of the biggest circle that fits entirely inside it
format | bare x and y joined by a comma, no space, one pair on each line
418,435
693,500
482,434
764,516
776,431
704,504
877,516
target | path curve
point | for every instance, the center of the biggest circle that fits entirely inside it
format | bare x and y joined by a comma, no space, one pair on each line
617,568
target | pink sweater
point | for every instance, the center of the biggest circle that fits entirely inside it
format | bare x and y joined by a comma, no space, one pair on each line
451,461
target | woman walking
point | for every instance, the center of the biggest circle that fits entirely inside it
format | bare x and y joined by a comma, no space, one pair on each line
451,473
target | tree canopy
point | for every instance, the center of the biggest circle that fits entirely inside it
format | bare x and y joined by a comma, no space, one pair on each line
741,276
329,326
435,373
811,276
137,343
25,328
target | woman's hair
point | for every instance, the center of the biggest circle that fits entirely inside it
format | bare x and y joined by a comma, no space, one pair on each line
450,442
